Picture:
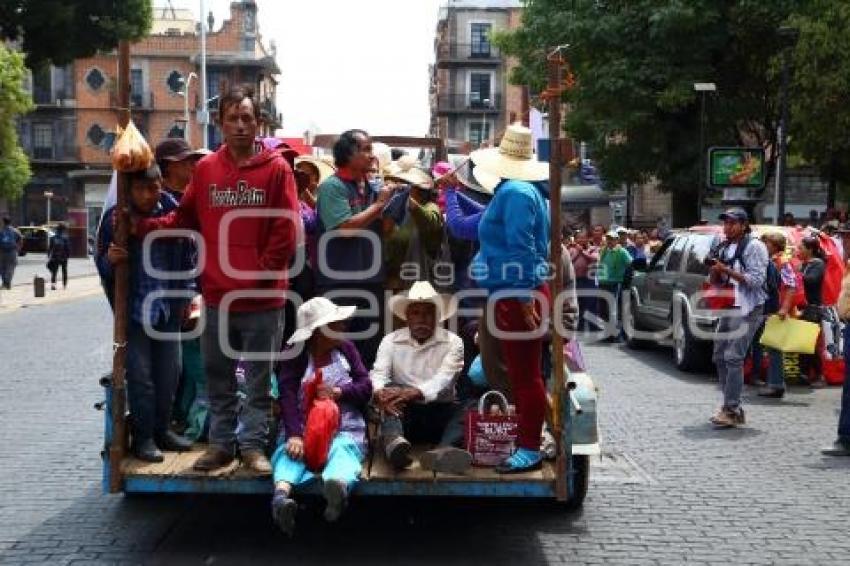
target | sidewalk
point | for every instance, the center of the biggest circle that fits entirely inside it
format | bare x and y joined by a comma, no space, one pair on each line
36,264
22,296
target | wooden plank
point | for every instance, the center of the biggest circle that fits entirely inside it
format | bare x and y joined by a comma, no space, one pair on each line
549,471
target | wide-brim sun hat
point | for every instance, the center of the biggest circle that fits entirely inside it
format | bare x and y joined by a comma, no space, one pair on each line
514,158
325,169
486,180
407,172
316,313
423,292
441,170
465,174
383,153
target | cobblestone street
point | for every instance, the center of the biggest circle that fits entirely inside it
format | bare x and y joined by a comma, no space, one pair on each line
758,495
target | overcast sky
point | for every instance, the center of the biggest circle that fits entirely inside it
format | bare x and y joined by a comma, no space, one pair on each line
348,64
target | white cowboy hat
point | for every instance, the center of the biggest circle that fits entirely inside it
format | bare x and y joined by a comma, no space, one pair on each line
514,158
316,313
423,292
466,176
486,181
384,154
403,163
325,170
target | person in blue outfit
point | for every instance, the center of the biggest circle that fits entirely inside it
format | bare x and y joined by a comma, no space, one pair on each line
346,381
153,363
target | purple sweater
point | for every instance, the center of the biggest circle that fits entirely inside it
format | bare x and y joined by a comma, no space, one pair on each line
462,215
357,393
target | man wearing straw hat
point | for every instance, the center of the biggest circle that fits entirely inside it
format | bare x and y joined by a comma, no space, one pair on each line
512,265
414,382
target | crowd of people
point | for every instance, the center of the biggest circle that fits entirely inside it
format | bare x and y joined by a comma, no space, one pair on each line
361,287
353,285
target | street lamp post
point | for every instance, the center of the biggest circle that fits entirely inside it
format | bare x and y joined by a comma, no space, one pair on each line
789,37
187,130
702,89
486,103
49,196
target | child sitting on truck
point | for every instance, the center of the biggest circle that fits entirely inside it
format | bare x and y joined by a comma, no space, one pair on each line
153,363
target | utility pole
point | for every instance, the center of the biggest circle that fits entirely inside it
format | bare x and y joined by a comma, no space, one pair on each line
121,292
789,36
555,87
204,117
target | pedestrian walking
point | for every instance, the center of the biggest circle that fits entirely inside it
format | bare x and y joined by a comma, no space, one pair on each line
584,258
58,252
614,265
10,245
740,262
841,446
814,272
242,199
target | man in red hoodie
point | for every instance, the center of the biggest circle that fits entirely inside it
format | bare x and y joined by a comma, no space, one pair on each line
243,201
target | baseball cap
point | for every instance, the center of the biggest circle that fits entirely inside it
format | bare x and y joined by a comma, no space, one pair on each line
737,214
176,149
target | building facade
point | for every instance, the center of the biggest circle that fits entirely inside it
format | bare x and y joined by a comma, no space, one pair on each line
70,134
471,99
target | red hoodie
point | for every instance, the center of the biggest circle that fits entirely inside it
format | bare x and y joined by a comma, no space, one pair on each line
266,244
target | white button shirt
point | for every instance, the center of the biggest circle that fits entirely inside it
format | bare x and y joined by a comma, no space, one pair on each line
431,367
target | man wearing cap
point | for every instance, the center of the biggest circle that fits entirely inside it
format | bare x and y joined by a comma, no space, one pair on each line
414,382
614,263
177,162
741,261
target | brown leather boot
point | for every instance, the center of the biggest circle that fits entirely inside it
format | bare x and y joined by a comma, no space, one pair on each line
212,459
256,461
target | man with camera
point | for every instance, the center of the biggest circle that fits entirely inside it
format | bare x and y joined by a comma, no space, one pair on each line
739,265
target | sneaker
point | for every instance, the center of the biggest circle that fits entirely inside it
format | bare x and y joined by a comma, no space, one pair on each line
212,459
772,392
336,498
447,460
523,460
284,509
256,461
398,453
838,448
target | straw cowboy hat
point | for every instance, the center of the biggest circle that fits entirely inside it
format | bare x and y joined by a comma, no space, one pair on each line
514,158
408,172
423,292
383,153
314,314
403,163
325,170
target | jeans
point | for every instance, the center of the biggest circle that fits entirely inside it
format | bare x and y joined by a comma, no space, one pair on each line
440,423
63,265
729,354
8,263
153,368
844,416
254,333
345,461
610,316
775,369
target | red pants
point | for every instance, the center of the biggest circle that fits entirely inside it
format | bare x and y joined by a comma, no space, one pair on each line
523,360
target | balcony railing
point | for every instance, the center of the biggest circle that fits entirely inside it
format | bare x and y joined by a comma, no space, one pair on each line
469,103
473,52
60,152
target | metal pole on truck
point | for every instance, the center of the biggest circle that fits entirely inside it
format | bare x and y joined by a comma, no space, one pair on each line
204,115
122,284
553,94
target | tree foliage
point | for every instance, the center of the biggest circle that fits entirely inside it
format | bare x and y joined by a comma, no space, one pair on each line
14,101
60,31
636,62
820,109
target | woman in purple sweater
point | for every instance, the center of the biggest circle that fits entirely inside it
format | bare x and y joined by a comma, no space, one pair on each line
346,381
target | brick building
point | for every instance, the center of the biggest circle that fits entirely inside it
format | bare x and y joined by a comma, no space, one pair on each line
471,99
69,135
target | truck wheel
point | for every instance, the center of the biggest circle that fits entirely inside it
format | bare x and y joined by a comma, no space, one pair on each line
630,325
689,353
578,482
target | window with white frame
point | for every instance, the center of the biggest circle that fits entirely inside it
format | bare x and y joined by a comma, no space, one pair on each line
479,34
479,132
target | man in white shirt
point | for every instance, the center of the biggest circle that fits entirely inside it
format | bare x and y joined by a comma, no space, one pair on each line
413,380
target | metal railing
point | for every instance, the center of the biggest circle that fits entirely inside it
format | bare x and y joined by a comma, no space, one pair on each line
478,52
469,103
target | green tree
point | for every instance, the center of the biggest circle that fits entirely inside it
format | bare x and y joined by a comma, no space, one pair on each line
636,62
14,101
820,102
60,31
